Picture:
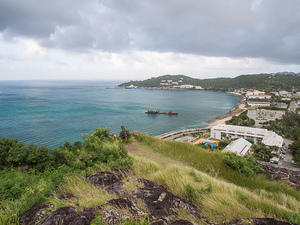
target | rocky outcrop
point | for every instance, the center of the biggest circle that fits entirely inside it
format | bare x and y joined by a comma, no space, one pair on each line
162,203
35,215
69,216
158,204
287,175
258,221
61,216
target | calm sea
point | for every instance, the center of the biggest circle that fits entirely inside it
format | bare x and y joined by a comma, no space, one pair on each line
52,112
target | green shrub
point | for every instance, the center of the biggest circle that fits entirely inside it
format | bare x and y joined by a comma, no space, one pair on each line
98,147
190,192
196,178
263,152
244,164
295,147
241,120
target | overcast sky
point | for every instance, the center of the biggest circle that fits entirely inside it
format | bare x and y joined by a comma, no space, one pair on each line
137,39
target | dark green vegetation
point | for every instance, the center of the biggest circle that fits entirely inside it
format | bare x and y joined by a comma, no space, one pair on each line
288,126
97,147
244,164
295,147
241,120
29,173
258,81
263,152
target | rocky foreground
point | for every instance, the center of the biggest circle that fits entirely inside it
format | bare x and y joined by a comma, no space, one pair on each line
144,199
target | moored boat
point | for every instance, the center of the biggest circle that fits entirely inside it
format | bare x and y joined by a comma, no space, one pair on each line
154,111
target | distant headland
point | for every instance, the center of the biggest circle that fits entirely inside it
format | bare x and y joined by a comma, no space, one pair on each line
263,81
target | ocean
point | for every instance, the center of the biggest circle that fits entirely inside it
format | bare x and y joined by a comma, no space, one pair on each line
52,112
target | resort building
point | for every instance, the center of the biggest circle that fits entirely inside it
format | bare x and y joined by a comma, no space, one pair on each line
258,98
239,146
186,86
255,92
258,102
198,87
284,94
264,97
280,105
165,84
265,136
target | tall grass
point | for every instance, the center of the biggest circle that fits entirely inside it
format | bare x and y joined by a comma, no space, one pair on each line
213,164
22,191
219,200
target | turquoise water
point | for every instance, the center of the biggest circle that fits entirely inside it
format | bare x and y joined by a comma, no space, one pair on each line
51,112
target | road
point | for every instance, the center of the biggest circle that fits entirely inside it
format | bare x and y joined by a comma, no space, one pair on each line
293,107
287,161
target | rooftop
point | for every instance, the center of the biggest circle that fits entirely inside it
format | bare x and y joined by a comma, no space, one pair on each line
239,146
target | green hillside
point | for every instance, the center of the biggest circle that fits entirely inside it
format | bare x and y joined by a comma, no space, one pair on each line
102,176
257,81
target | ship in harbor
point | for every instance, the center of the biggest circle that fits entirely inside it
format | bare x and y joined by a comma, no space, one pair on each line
154,111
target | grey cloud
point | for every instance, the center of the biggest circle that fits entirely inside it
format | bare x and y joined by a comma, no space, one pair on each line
250,28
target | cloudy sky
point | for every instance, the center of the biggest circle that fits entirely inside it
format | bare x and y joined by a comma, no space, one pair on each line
136,39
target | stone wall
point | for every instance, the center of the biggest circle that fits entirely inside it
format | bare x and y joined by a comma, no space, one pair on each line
287,175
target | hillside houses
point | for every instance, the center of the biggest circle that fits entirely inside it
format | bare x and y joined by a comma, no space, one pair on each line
178,84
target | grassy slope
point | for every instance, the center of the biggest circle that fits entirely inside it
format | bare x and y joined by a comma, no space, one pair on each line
186,170
223,193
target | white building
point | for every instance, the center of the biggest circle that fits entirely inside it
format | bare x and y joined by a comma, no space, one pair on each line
284,94
267,137
186,86
131,87
175,83
258,102
198,87
267,97
239,146
255,92
169,81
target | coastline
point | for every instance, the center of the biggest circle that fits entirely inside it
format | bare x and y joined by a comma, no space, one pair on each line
236,110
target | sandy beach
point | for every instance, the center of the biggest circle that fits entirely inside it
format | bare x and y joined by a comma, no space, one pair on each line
235,112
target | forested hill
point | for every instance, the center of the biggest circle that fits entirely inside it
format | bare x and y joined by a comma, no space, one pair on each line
257,81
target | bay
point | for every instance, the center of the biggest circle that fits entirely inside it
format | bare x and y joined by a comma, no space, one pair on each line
52,112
